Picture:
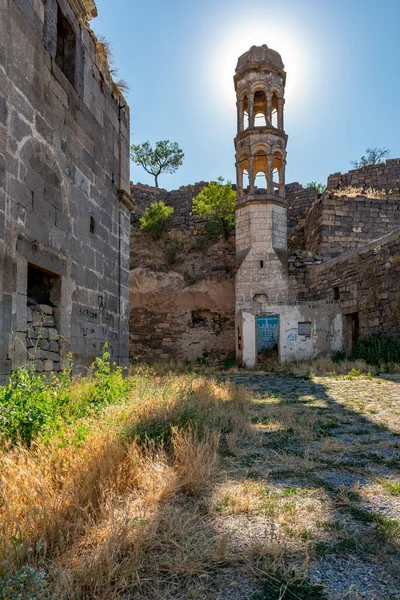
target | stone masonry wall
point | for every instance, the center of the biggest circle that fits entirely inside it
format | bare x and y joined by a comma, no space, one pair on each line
299,201
338,223
365,281
64,192
384,177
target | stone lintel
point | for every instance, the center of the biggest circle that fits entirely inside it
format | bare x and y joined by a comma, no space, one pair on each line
260,199
263,129
126,200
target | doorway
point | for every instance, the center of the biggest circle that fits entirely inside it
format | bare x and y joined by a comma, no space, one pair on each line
351,333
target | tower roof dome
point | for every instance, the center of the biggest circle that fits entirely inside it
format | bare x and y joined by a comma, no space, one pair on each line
259,56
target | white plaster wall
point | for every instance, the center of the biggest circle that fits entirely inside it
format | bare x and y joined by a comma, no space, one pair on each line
249,339
326,329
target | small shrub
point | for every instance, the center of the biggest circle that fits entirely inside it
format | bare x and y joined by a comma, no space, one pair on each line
174,247
281,587
27,583
34,404
156,219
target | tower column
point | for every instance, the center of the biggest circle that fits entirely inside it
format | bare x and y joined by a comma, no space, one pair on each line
281,102
269,109
270,177
251,110
239,180
240,116
251,174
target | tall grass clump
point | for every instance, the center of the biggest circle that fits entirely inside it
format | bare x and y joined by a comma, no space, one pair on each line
378,351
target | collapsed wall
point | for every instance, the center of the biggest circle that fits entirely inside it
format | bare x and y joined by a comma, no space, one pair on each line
181,296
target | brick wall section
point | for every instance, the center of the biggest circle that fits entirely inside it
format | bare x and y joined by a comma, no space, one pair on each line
368,282
385,177
336,224
60,210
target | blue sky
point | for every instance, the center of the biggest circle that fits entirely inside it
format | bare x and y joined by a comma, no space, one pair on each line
342,59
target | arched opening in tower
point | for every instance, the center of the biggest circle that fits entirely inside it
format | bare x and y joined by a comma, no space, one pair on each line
261,169
274,115
246,181
260,109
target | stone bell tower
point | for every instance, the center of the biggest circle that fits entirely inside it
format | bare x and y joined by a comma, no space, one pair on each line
261,214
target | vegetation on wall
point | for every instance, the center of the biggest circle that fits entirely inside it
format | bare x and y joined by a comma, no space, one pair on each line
320,187
156,219
216,204
165,157
373,156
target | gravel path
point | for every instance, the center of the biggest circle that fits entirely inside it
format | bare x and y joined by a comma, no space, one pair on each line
321,466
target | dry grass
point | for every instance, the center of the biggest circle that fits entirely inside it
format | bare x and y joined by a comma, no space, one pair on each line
109,513
353,192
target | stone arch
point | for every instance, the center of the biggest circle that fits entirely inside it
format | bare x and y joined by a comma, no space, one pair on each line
260,107
39,160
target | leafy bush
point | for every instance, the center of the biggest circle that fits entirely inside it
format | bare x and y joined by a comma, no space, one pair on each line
156,218
34,404
378,351
216,203
27,583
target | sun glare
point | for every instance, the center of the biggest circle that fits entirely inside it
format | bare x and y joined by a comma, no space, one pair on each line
244,35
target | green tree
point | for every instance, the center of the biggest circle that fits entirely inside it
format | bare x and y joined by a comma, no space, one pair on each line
320,187
216,203
156,218
165,157
373,156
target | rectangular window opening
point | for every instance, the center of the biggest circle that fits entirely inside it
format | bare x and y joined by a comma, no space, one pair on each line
304,329
43,287
66,47
336,293
261,264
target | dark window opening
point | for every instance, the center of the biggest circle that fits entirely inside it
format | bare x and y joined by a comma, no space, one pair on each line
336,293
43,287
261,264
66,47
304,329
92,225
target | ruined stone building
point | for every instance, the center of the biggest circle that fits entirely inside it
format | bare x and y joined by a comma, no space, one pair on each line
304,274
64,190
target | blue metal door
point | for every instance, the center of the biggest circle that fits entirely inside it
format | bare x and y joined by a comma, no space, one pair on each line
267,336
